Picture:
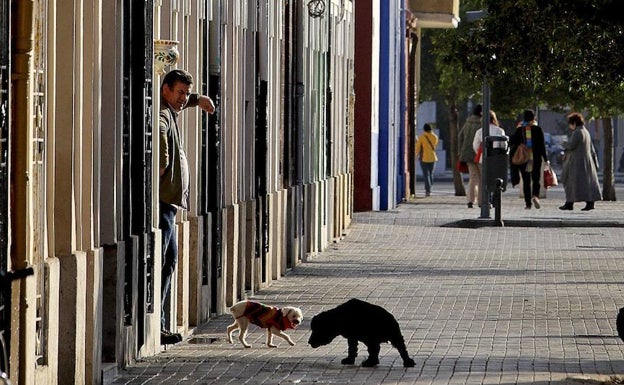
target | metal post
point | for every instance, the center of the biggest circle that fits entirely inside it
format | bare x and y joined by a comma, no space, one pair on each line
497,203
485,132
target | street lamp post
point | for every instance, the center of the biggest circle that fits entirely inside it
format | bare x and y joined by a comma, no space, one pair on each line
485,132
472,16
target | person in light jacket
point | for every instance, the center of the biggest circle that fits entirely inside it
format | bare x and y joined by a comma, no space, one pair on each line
580,165
425,151
494,130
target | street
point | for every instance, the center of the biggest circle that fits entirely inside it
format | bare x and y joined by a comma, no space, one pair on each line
481,305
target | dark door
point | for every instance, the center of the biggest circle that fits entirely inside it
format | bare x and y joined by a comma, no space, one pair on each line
137,160
5,296
215,198
262,209
293,178
213,184
204,182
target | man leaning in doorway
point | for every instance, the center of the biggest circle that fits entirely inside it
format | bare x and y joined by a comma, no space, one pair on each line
175,93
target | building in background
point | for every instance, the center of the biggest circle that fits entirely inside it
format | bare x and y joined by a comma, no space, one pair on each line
300,102
271,172
387,68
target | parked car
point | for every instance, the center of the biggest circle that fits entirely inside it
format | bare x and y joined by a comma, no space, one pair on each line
554,148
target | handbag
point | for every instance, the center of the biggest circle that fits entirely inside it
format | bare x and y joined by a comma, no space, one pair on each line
550,178
478,156
462,167
521,156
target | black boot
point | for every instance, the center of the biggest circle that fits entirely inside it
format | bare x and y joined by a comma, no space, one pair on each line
567,206
588,206
168,338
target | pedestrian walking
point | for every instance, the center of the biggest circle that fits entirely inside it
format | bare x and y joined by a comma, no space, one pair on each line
426,152
467,154
174,175
530,135
580,166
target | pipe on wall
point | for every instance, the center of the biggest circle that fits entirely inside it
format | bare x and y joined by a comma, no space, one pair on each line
21,149
20,159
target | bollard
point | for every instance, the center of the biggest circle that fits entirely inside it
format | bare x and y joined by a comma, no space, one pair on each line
497,203
497,157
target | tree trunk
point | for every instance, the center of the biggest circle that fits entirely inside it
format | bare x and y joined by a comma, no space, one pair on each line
454,130
608,182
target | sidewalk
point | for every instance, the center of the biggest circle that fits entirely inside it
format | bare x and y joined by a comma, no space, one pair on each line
488,305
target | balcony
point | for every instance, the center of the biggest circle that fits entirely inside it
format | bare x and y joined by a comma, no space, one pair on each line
435,13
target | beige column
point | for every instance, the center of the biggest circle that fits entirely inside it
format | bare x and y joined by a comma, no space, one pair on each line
90,205
67,174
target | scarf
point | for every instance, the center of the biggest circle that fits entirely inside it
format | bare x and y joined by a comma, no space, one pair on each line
529,143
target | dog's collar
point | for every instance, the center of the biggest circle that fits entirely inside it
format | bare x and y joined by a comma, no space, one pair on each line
286,323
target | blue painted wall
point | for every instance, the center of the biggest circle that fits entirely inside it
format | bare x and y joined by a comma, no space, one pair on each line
400,113
392,103
384,96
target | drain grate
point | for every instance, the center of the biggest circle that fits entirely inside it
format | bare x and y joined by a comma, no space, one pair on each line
203,340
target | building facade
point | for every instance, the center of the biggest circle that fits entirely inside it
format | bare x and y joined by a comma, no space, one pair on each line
271,171
387,67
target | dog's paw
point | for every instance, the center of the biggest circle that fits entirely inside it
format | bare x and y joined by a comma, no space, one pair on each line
348,361
292,343
409,363
370,362
271,345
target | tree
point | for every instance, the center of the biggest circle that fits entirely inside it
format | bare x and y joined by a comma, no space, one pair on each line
444,73
448,79
559,52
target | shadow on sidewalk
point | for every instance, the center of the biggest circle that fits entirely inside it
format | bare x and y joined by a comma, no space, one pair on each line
545,223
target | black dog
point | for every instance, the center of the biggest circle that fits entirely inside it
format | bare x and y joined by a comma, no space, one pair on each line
361,321
619,323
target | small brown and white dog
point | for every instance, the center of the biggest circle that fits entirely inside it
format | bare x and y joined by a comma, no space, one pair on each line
273,319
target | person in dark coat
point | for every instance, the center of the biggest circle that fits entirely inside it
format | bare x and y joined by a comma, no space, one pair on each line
467,154
532,135
580,165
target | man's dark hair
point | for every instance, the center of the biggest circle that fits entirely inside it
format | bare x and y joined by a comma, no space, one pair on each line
528,115
478,110
427,127
576,119
176,75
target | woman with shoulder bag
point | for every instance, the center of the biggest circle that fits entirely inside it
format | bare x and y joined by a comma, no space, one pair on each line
528,134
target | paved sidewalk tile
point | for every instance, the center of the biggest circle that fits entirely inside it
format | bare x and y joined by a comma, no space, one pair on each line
490,305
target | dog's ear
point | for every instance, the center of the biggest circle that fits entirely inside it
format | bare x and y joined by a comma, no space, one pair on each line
286,311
